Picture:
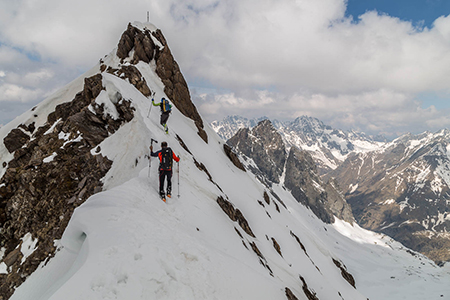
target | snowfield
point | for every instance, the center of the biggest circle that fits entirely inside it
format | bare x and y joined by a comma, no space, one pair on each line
125,243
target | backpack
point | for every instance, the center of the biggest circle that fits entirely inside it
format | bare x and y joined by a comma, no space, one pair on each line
165,105
166,159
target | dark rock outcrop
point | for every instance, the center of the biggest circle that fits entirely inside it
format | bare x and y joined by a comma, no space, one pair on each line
345,274
235,215
264,145
299,242
304,183
336,201
15,140
233,157
289,294
310,294
276,246
140,41
134,76
50,175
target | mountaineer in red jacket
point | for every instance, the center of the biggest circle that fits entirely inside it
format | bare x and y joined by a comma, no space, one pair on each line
166,157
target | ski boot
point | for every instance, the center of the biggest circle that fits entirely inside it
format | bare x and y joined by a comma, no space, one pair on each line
163,197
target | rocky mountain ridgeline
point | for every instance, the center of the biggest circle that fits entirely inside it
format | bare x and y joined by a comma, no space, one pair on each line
296,169
57,165
328,146
403,191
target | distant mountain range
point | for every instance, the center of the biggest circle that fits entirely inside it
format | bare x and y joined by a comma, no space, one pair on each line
328,146
231,124
400,188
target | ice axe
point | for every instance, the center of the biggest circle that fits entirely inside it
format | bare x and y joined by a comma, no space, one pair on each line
149,156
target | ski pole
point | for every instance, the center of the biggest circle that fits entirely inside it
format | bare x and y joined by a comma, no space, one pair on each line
149,163
150,157
178,163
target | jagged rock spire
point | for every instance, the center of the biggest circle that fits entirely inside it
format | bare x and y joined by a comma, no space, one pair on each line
145,49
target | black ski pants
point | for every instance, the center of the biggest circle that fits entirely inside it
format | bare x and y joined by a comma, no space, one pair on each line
163,174
164,118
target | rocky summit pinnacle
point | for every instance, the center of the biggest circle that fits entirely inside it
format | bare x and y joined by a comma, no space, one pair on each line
138,43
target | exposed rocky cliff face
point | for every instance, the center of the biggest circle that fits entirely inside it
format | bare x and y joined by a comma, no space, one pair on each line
325,200
304,183
403,191
145,49
57,164
264,145
53,172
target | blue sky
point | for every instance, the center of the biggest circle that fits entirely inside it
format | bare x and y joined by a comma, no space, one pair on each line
381,67
417,11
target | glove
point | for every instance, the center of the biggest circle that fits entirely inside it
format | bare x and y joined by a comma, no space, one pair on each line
153,100
151,148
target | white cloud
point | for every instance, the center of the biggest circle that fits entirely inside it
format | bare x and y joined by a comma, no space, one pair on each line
12,92
310,44
282,57
23,80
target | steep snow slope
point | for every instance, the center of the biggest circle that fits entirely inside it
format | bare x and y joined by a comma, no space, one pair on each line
125,243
